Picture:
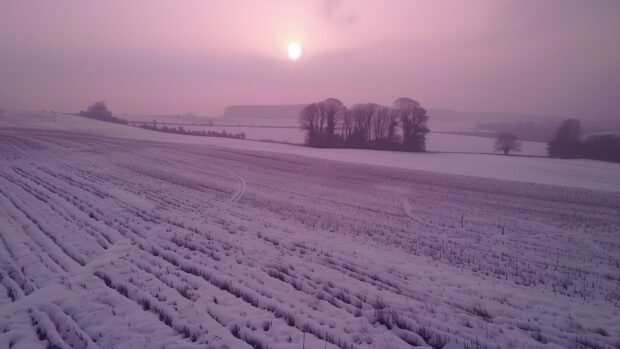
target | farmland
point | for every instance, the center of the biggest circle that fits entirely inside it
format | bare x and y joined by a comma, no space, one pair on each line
112,242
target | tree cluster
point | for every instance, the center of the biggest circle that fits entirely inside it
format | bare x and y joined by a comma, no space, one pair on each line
567,140
100,111
604,147
329,124
568,144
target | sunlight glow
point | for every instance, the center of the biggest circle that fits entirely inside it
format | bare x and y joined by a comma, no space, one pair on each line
294,50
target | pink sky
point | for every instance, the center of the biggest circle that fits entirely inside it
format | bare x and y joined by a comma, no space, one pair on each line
170,57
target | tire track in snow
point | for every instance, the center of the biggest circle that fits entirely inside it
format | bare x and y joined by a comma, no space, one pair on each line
240,190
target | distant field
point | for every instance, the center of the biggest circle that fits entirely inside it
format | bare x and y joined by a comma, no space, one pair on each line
225,121
287,130
439,142
275,134
435,125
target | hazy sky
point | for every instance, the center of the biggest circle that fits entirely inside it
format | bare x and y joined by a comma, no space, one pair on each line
168,57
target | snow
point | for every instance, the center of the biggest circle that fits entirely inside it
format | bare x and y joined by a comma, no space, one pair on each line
117,237
582,173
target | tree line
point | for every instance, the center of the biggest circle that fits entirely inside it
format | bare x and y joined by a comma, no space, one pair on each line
183,131
100,111
569,143
330,124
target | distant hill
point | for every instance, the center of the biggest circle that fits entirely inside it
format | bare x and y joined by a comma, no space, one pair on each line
284,111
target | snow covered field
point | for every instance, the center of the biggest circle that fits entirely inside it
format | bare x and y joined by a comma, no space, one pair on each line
117,237
436,142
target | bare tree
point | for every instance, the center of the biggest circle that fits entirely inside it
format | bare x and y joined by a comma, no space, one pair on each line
333,109
309,122
346,125
320,121
362,115
413,120
384,123
380,124
507,142
403,107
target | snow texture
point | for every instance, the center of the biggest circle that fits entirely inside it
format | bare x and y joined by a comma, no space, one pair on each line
117,237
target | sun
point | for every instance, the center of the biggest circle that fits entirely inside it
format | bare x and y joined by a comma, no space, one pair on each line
294,50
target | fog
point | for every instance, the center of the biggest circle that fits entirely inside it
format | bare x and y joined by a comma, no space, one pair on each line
552,57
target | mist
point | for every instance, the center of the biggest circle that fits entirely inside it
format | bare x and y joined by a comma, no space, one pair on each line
336,174
553,57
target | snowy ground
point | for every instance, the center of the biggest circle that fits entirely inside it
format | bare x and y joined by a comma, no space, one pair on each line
586,174
115,237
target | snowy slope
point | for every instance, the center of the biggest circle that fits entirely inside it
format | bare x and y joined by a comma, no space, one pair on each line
580,173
